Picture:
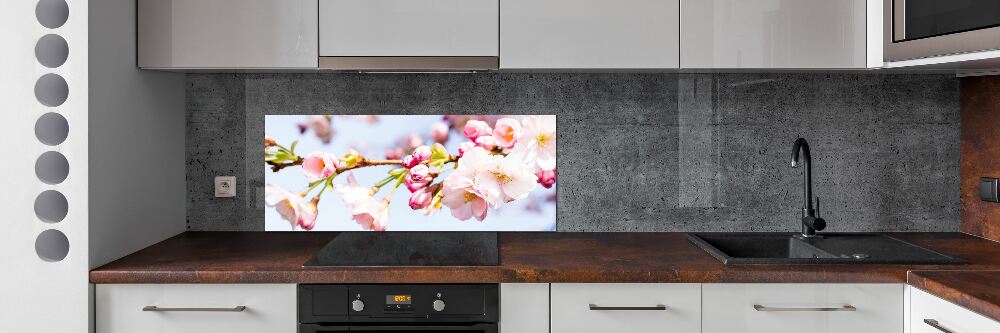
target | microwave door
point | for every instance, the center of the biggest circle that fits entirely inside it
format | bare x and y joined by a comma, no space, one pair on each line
916,19
915,29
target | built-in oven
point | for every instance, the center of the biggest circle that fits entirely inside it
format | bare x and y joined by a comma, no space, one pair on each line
451,308
917,29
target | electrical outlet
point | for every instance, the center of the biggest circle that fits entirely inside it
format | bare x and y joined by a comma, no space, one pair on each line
225,186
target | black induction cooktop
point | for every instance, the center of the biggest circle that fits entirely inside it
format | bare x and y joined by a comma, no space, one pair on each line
404,248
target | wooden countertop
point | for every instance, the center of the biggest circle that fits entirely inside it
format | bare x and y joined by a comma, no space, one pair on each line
978,291
276,257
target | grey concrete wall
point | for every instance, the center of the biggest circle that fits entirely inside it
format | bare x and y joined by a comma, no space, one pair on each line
637,152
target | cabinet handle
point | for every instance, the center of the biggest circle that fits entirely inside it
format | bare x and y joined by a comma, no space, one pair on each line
934,323
159,309
595,307
768,308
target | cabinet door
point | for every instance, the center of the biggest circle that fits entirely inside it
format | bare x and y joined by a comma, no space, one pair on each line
524,307
627,307
582,34
425,28
227,34
803,308
773,34
930,314
270,308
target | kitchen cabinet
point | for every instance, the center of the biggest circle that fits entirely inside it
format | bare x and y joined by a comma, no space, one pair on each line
524,307
626,307
221,34
802,308
780,34
126,308
410,28
589,34
930,314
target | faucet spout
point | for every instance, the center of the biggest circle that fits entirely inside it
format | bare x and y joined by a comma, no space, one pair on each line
810,222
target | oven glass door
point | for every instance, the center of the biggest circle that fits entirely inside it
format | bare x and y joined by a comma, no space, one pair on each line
474,328
916,19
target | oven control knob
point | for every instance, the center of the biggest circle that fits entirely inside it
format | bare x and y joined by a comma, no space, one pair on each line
438,305
358,305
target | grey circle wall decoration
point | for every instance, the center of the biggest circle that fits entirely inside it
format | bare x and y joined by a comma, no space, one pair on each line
51,51
51,206
52,245
51,128
51,90
52,13
52,167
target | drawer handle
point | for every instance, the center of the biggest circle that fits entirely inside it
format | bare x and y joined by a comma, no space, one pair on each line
769,308
595,307
159,309
934,323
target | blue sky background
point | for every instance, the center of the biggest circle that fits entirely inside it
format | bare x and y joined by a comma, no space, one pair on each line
372,140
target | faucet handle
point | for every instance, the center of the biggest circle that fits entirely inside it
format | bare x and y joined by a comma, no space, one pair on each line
817,206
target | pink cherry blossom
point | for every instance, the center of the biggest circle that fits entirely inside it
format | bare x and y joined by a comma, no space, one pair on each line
422,153
420,199
486,142
464,147
506,132
367,212
413,141
321,126
497,179
307,214
546,178
439,132
477,128
291,206
537,142
460,197
319,165
394,153
269,142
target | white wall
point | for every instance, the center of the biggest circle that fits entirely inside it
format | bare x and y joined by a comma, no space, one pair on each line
37,295
137,185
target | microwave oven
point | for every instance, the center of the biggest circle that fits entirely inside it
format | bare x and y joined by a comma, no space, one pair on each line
915,29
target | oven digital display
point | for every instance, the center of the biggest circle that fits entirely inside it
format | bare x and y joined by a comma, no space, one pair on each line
398,299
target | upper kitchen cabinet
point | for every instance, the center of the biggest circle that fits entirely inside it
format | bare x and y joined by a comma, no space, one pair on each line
219,34
800,34
409,34
589,34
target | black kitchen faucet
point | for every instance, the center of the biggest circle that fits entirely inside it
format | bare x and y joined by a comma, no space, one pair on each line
810,221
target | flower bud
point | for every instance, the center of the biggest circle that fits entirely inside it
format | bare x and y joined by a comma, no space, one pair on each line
439,132
487,142
419,172
269,142
420,199
464,147
422,153
546,178
409,161
477,128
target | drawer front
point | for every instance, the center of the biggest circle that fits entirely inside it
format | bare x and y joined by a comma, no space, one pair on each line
803,308
947,316
634,308
269,308
362,28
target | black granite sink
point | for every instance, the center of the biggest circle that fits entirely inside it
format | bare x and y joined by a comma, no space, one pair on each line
832,248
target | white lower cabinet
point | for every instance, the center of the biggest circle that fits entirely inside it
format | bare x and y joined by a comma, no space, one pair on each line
930,314
628,307
524,307
186,308
802,308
